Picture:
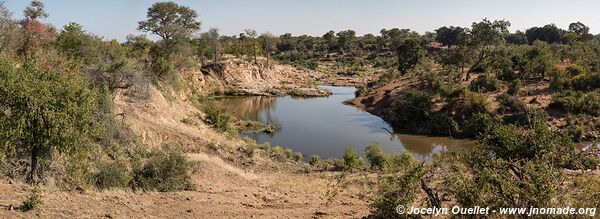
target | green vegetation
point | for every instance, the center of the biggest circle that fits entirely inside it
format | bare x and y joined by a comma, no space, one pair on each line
57,86
351,159
163,171
32,202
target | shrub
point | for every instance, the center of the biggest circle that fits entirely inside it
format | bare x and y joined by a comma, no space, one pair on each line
288,153
111,175
484,84
413,109
219,120
298,156
479,123
164,171
510,104
588,188
360,91
488,174
398,189
314,159
32,202
376,156
514,87
577,102
351,159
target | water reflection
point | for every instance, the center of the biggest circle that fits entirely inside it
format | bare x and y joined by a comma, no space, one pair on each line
325,126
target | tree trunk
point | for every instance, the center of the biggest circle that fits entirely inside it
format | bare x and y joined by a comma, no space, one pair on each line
34,162
254,49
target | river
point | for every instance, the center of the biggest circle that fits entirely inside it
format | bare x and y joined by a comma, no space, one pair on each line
326,127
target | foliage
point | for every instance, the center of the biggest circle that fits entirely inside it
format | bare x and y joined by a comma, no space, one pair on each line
514,87
409,53
217,119
45,110
484,84
399,187
588,188
376,156
510,104
163,171
170,21
577,102
112,175
32,202
314,159
351,159
511,167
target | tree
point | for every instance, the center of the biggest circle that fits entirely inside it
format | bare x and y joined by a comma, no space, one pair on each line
346,40
548,33
44,111
170,21
483,38
9,30
36,33
253,44
581,31
330,40
517,38
409,53
212,37
268,43
449,36
74,43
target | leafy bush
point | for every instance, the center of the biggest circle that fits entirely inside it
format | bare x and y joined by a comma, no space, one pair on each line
376,156
577,102
297,156
164,171
510,104
479,123
32,202
399,187
488,174
314,159
484,84
588,188
361,91
220,121
514,87
413,109
112,175
351,159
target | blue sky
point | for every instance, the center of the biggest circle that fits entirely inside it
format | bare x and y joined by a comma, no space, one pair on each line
115,19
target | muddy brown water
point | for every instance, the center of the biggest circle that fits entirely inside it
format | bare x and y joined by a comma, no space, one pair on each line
326,127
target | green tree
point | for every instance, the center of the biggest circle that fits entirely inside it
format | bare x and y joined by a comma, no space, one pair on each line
548,33
269,42
10,34
212,37
483,38
170,21
450,36
252,42
581,31
43,111
346,40
409,52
